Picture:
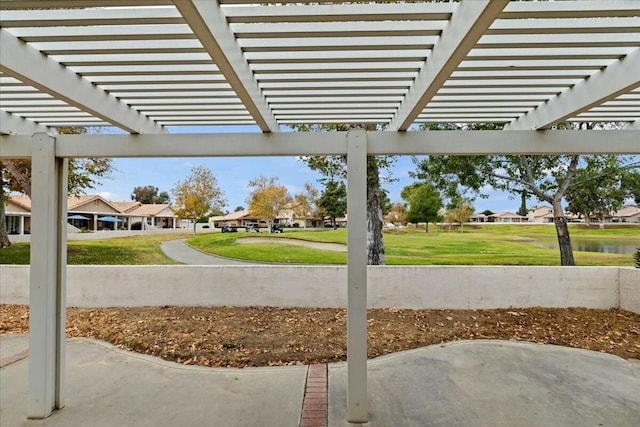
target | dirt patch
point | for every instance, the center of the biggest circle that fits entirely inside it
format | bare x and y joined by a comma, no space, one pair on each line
264,336
337,247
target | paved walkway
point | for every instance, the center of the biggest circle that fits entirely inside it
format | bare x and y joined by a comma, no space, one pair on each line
467,383
179,251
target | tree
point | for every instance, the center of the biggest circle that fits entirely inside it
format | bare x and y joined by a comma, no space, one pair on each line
333,200
424,203
523,211
459,211
306,203
549,178
238,208
197,195
148,194
595,197
267,198
84,174
631,184
334,168
385,202
397,215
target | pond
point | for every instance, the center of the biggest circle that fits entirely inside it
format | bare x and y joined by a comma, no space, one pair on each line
593,245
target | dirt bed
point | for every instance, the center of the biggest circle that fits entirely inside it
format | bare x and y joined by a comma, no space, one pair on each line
259,336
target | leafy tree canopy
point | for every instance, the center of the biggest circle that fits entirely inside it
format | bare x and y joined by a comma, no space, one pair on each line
150,194
197,195
333,200
424,203
267,198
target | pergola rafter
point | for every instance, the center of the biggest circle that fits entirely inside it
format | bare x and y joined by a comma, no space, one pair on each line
618,78
210,26
26,64
12,124
465,28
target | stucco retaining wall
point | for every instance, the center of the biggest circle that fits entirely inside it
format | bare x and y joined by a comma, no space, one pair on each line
325,286
630,289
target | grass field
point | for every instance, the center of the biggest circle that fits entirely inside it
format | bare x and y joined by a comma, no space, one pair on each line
134,250
477,245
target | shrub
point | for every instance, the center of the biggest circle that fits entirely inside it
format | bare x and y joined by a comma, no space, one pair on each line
636,256
136,226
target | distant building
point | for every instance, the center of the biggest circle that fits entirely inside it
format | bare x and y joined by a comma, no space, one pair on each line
289,216
507,217
628,213
479,218
93,212
234,219
540,214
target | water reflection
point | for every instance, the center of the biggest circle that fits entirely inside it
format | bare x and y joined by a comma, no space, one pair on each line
609,247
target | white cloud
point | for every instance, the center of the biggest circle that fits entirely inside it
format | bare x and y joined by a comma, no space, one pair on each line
112,197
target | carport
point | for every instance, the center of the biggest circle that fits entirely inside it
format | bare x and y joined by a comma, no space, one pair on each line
150,67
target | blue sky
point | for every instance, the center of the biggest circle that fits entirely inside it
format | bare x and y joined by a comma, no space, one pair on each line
233,174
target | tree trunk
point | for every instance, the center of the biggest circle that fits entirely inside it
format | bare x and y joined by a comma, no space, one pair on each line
426,226
195,223
4,237
562,230
375,244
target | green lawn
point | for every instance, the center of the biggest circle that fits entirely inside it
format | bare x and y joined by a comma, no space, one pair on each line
478,245
134,250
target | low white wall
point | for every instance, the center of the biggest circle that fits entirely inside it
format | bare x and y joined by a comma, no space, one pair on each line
325,286
630,289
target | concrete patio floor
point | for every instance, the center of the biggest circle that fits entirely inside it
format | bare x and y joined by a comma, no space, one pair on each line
467,383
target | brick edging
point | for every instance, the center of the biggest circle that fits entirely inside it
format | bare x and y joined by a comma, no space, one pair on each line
13,358
314,404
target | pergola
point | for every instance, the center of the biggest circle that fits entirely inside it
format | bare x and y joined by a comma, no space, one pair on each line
148,65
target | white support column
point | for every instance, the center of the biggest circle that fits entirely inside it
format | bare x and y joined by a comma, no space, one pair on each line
48,276
357,277
21,228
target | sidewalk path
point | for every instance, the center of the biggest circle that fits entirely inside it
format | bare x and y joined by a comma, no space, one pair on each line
466,384
179,251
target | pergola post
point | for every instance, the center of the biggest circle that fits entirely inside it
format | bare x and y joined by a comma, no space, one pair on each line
47,299
357,277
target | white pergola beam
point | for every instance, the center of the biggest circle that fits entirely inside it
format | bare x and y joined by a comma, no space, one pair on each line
210,26
633,125
10,124
339,12
330,143
469,22
23,62
619,77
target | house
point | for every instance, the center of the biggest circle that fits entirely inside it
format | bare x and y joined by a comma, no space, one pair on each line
289,216
628,213
153,216
92,212
18,215
479,218
540,214
234,219
508,217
